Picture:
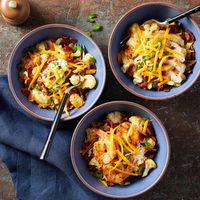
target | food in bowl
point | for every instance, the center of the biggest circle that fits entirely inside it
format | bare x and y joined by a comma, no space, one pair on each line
51,66
118,147
158,57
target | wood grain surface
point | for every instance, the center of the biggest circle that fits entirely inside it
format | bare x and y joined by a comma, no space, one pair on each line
180,115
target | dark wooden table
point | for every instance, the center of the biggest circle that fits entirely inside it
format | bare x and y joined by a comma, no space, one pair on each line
180,115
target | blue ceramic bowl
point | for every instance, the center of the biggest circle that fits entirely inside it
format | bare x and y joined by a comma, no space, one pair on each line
138,186
140,14
43,33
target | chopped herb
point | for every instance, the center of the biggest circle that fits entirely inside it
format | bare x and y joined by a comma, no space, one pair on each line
36,86
91,18
154,84
88,33
139,65
45,45
151,68
125,150
54,62
92,59
96,27
146,144
59,67
93,15
98,175
57,106
77,48
34,49
51,90
158,45
26,50
145,118
165,53
157,65
62,80
127,157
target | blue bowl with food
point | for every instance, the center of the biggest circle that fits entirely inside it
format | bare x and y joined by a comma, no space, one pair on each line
120,149
155,61
46,62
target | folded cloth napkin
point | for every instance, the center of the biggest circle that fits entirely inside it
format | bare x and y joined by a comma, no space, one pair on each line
21,141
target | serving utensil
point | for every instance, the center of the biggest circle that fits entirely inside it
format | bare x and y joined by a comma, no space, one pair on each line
54,126
167,21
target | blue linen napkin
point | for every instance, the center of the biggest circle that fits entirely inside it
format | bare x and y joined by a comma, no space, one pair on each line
21,140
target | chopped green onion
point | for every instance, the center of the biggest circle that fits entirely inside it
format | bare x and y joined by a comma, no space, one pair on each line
88,33
146,144
36,86
59,67
34,49
125,150
45,45
77,48
96,27
145,118
98,175
91,17
127,157
92,59
158,45
154,84
151,68
57,106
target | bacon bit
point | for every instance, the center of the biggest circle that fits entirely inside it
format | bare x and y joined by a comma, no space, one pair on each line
189,65
26,92
174,28
50,45
38,61
51,58
28,63
189,37
67,49
131,70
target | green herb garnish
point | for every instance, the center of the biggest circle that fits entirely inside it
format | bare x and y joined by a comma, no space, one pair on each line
91,18
92,59
88,33
96,27
146,144
145,118
45,46
151,68
127,157
77,48
154,84
125,150
36,86
98,175
158,45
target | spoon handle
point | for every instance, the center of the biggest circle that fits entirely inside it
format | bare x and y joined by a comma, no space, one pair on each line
185,14
54,126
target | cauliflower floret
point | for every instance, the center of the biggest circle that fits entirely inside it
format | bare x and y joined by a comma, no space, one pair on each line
115,117
137,122
76,79
76,100
39,97
149,164
88,59
89,82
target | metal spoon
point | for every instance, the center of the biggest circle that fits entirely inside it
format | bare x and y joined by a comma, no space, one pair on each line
167,21
54,126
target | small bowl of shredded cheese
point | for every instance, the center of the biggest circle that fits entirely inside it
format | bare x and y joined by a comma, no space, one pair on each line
156,61
46,62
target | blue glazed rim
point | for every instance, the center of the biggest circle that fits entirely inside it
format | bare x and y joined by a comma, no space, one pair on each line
73,140
112,66
10,68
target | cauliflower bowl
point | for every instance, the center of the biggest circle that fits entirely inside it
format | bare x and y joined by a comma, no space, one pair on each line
103,158
151,66
46,62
